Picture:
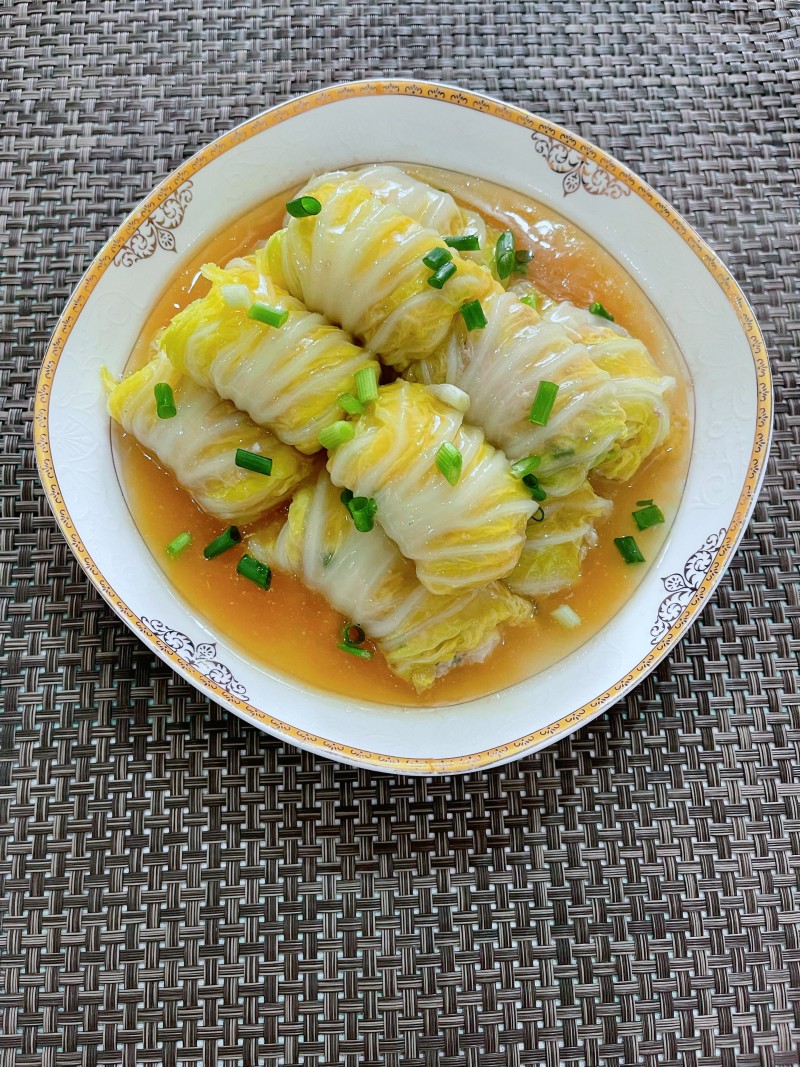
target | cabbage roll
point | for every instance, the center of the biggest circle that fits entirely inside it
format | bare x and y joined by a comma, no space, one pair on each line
501,366
198,445
459,536
555,547
364,576
359,261
286,378
638,385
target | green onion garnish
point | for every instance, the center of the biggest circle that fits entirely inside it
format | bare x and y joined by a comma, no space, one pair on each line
252,461
336,434
597,308
268,315
437,257
227,539
643,503
304,206
183,540
465,242
353,634
567,616
438,279
532,483
350,404
629,550
362,653
366,381
236,296
473,316
521,260
363,510
448,460
543,403
532,301
257,572
504,254
525,466
651,515
346,496
538,515
165,401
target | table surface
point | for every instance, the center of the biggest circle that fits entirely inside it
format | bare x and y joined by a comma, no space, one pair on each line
181,889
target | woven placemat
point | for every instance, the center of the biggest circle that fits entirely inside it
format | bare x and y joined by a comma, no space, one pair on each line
181,889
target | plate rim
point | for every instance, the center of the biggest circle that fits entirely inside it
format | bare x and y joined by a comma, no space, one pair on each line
486,104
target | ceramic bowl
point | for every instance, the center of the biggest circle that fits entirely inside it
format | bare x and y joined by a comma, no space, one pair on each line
436,125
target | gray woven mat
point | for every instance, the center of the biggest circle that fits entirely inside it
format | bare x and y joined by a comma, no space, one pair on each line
182,889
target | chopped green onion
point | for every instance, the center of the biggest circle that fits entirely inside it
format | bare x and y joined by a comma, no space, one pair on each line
257,572
521,260
236,296
165,401
568,618
532,301
363,510
227,539
532,483
597,308
473,316
543,403
350,404
465,242
629,550
268,315
304,206
437,257
644,503
525,466
346,496
183,540
252,461
362,653
438,279
366,385
449,460
353,634
336,434
538,515
504,254
652,515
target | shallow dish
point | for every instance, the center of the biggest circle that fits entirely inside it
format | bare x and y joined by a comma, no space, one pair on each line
425,124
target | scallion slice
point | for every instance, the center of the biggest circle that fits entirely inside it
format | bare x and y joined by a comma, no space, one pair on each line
543,403
597,308
532,482
363,510
473,316
525,466
362,653
449,461
353,634
438,279
304,206
350,404
648,516
249,567
165,401
268,315
437,257
629,550
336,434
346,496
236,296
227,539
252,461
567,616
176,546
521,260
538,515
504,254
532,300
465,242
366,381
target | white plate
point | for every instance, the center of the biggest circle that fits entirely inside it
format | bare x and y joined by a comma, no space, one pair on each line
426,124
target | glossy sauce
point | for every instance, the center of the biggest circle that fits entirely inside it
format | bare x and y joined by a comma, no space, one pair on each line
293,630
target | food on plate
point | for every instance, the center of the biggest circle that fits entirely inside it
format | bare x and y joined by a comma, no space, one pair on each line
364,576
197,435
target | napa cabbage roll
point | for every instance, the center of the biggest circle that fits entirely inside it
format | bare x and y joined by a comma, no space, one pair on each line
363,575
638,384
287,378
501,367
459,535
359,261
198,444
556,546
